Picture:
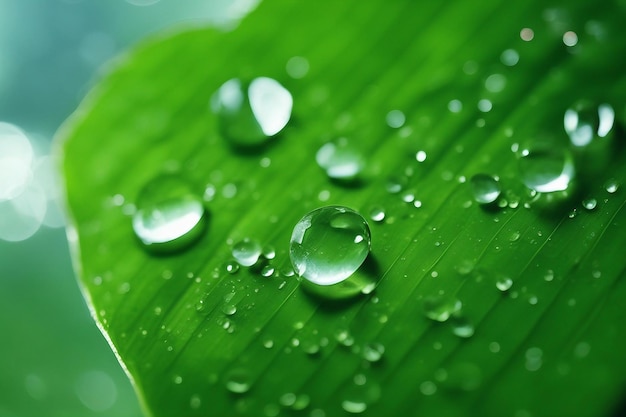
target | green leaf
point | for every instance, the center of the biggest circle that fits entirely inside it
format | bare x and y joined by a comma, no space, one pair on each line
552,344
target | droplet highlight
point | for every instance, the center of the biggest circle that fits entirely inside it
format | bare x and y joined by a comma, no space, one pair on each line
250,113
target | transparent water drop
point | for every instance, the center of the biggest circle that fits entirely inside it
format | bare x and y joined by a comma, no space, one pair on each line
428,388
247,252
297,67
462,327
396,184
373,352
611,185
229,309
420,156
455,106
328,246
549,275
590,203
495,83
504,283
359,395
169,215
440,308
269,252
377,214
343,337
583,122
195,402
231,266
509,57
486,188
267,271
395,119
546,170
250,113
340,159
238,381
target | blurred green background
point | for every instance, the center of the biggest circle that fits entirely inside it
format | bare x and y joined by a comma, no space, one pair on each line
53,359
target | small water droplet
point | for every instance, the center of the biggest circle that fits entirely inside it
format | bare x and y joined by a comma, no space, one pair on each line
570,38
377,214
373,352
195,402
341,160
509,57
534,359
267,271
359,395
297,67
250,113
268,343
247,252
229,309
546,170
178,379
169,215
486,188
583,122
343,337
611,186
328,246
495,83
590,203
462,327
549,275
231,266
455,106
420,156
504,283
440,308
238,381
428,388
395,119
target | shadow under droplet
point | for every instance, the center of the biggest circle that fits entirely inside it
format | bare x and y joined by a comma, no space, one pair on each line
343,294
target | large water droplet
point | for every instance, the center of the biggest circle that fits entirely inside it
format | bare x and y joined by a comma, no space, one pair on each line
486,188
340,160
373,352
328,245
583,122
547,170
250,113
247,252
169,215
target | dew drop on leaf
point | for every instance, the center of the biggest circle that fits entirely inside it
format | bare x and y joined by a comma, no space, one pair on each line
611,186
377,214
327,248
340,160
462,327
486,189
546,170
373,352
584,122
247,252
590,203
395,119
238,381
504,283
440,308
250,113
169,215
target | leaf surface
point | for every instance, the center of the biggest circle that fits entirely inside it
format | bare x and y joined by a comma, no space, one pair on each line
545,347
